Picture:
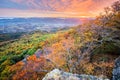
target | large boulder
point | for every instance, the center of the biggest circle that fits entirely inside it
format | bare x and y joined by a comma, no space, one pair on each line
56,74
116,70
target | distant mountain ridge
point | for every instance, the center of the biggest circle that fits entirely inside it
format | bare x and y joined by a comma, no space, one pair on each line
9,25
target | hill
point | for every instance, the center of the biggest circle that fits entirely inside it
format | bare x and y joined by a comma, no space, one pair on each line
90,48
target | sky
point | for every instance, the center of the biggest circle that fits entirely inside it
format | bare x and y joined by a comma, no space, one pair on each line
52,8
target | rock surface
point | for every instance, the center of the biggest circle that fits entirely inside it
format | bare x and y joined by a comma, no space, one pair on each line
56,74
38,53
116,70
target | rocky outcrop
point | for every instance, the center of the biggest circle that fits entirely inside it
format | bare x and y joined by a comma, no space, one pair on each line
116,70
38,53
56,74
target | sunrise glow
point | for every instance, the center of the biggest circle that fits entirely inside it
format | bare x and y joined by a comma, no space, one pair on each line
52,8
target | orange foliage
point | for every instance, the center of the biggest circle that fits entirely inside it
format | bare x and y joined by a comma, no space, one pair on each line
31,69
60,48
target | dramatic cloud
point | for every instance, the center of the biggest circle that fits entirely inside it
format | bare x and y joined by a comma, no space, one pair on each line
53,8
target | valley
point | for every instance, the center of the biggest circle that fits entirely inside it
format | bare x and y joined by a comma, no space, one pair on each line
59,48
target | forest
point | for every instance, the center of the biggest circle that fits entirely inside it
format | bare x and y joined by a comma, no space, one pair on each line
90,48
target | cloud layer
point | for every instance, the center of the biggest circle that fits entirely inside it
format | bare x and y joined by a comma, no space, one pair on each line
52,8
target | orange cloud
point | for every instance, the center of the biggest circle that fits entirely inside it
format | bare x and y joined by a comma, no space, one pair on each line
60,8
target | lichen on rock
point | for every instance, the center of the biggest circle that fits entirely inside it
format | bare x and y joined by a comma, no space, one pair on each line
57,74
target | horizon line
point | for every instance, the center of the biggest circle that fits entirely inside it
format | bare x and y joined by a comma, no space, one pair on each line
45,17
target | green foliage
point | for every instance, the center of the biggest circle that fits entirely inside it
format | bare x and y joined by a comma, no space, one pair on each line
15,58
3,59
31,51
10,36
16,51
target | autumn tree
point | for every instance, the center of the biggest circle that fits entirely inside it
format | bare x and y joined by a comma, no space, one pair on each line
99,36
